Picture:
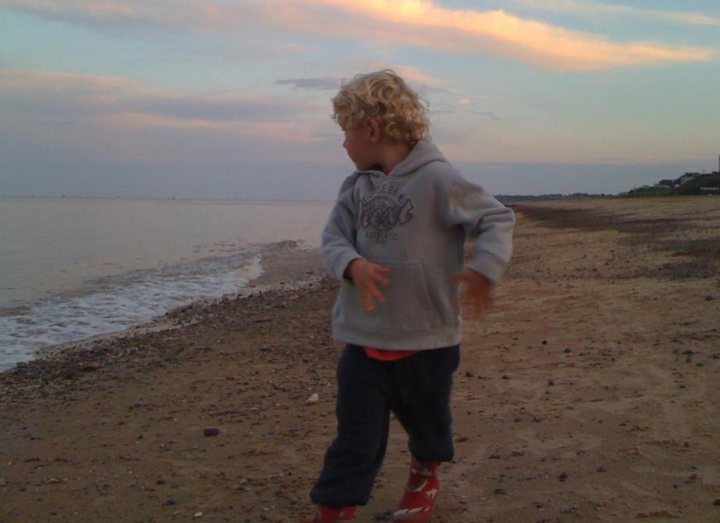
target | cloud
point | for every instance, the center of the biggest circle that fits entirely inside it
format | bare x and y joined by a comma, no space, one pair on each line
420,78
466,106
589,8
87,99
183,13
200,108
487,114
496,32
314,84
418,23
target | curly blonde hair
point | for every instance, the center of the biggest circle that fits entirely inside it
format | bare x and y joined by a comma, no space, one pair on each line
383,95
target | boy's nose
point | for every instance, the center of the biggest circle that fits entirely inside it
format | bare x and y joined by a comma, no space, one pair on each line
345,143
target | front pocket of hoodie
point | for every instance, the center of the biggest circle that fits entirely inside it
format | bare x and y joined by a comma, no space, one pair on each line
407,305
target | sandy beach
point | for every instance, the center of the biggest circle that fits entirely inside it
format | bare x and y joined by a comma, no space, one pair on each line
589,393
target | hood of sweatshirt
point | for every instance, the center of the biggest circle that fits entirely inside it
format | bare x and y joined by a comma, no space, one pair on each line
422,153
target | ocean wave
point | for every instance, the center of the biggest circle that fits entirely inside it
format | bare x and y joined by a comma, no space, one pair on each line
115,303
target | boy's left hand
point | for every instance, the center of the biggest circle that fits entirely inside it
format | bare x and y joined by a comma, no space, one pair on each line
475,292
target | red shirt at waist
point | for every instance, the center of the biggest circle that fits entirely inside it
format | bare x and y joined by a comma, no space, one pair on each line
388,355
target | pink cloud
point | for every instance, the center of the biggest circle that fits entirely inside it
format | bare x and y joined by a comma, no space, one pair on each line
418,23
497,32
590,8
86,99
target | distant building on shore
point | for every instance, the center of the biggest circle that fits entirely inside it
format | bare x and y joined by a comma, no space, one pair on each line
707,183
677,182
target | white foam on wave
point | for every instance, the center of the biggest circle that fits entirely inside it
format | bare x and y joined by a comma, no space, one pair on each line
116,303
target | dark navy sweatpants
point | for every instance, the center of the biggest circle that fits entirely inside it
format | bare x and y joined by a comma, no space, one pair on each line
416,389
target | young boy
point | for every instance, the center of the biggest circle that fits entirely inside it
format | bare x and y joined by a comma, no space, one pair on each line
395,240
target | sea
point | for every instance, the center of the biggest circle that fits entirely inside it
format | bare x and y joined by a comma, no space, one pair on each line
74,268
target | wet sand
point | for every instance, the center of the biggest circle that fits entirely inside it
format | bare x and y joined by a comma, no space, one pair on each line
589,393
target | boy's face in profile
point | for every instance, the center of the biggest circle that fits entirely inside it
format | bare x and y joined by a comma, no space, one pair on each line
359,145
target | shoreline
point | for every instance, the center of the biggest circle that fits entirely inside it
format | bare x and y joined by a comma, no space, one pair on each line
283,276
295,268
587,394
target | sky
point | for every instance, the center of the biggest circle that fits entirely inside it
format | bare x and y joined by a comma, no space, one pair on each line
231,99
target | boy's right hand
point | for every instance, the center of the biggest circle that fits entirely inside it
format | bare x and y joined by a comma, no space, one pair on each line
366,276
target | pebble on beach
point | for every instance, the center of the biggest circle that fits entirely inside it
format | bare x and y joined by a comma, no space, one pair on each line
312,399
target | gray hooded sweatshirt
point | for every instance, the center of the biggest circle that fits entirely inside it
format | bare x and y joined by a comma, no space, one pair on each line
413,221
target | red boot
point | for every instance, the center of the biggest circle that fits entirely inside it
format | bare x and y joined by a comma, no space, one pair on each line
416,505
332,515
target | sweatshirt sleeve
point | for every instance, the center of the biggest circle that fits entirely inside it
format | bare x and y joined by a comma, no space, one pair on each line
488,221
338,237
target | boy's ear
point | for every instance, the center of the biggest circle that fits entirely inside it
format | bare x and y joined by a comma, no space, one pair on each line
373,130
